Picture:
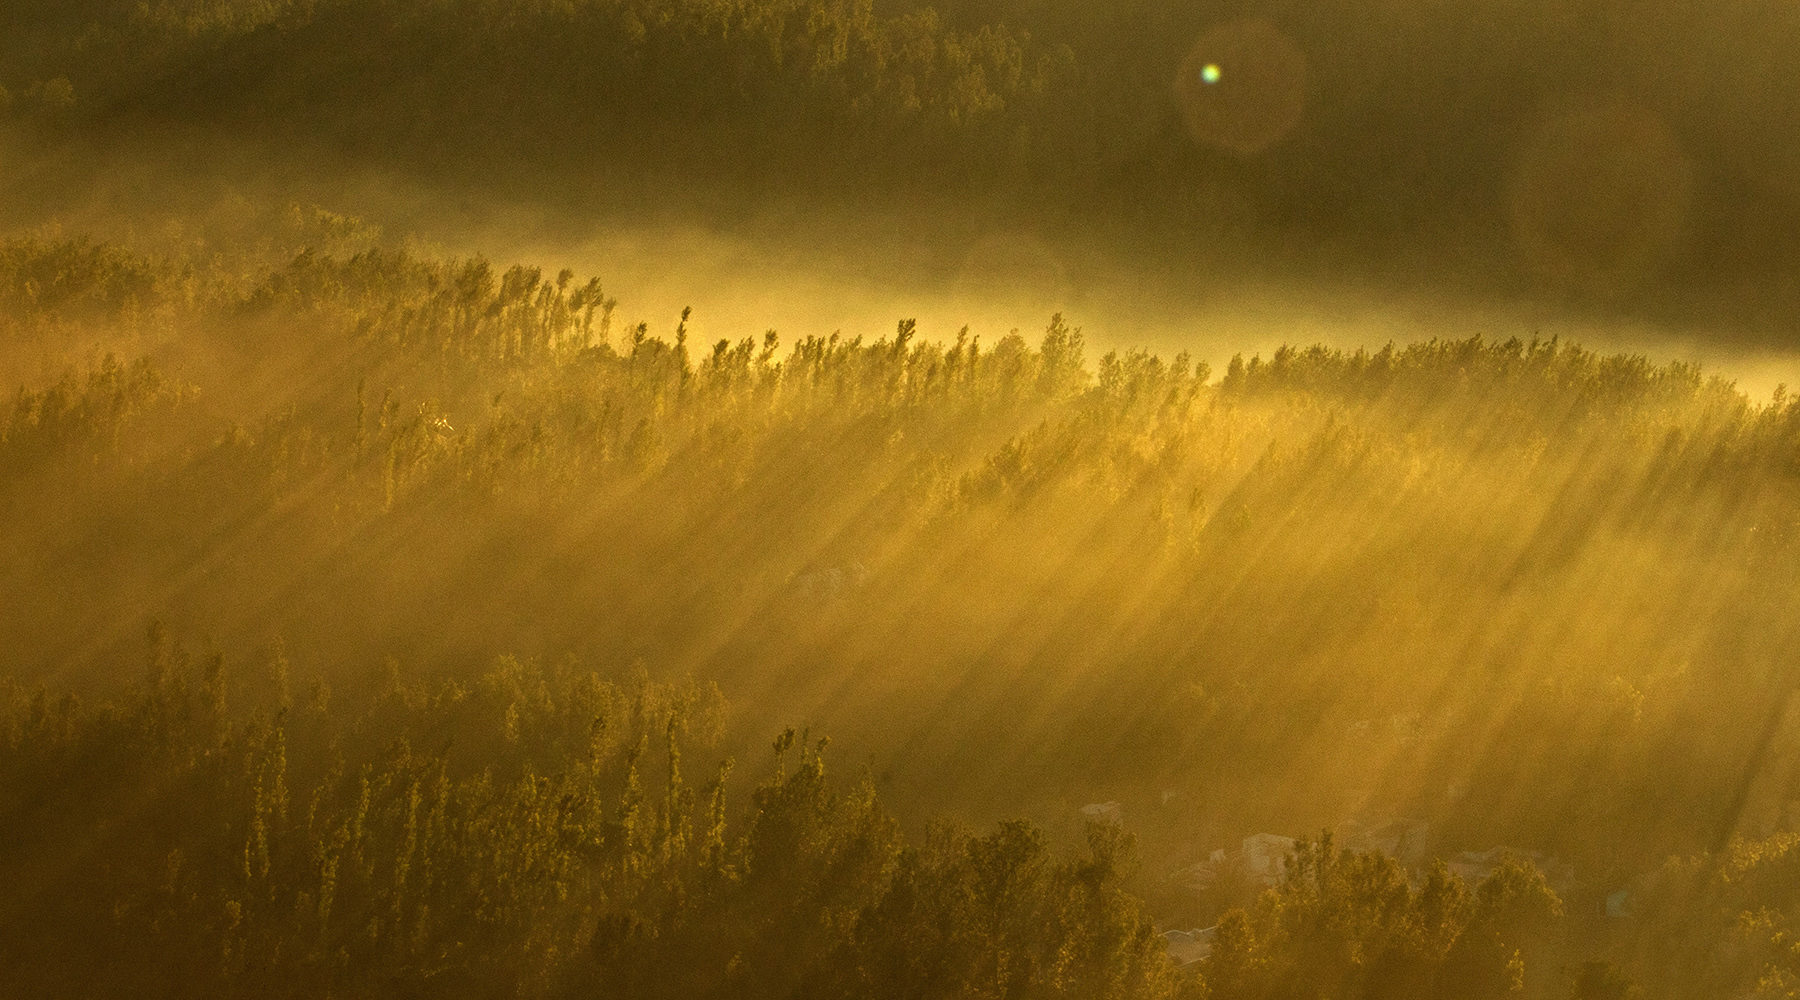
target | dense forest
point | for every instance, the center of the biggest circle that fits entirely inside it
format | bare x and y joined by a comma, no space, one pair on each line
401,594
1609,140
463,592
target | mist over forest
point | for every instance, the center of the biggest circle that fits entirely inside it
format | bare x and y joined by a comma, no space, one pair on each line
831,498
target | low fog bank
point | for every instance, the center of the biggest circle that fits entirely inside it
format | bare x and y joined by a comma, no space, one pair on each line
802,272
752,259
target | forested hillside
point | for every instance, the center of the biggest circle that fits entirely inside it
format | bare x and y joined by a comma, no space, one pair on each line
460,585
403,594
1663,129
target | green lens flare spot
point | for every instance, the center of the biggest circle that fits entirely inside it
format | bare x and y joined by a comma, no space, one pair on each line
1210,73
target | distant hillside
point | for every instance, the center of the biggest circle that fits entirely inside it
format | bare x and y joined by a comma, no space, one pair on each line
1666,135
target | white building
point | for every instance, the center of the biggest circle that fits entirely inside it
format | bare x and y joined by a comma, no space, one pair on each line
1264,855
1188,947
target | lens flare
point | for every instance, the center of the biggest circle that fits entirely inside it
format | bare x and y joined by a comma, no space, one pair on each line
1243,86
1599,197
